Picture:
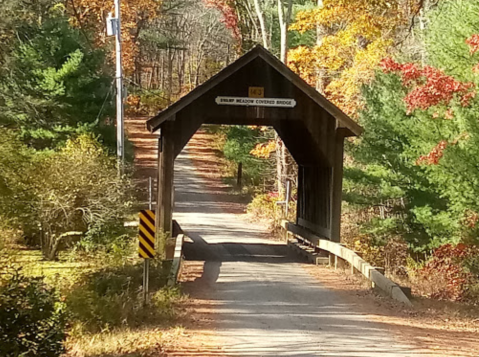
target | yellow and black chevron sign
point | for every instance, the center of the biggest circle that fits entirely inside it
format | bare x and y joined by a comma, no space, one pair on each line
146,248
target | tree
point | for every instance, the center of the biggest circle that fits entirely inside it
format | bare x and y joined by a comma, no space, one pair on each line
135,14
52,197
229,16
352,37
78,192
284,17
53,84
260,15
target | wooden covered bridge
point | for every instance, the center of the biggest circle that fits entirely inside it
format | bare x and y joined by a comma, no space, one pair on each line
312,128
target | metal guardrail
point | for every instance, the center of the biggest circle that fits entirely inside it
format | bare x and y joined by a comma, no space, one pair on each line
366,269
177,259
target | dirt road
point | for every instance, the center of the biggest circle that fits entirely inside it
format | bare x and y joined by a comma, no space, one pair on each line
266,304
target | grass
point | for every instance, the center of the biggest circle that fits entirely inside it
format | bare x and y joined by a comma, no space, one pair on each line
126,342
64,269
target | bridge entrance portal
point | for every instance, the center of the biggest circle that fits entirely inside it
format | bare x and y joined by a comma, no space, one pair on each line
258,89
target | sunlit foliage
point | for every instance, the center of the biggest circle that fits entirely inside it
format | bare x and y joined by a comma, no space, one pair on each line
90,15
352,38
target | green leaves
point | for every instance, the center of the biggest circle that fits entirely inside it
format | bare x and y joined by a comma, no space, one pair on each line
54,79
32,319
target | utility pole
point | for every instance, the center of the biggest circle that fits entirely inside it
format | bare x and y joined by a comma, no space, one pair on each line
114,29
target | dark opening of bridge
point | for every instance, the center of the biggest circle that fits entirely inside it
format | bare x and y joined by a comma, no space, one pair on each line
312,128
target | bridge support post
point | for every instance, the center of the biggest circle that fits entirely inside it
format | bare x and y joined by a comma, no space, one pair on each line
337,188
164,209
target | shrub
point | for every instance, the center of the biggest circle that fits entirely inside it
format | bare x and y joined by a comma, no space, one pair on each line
54,197
32,320
263,206
78,189
369,250
452,272
112,297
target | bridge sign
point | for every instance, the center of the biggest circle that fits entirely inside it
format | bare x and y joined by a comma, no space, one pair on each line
257,102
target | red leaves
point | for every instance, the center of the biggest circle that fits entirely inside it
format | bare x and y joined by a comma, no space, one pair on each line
473,43
434,155
409,72
431,86
446,270
230,18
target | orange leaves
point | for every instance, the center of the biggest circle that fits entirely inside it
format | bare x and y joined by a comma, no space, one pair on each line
434,155
264,151
446,270
92,14
438,151
302,60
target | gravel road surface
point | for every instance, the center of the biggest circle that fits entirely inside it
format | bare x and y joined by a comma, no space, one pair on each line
267,304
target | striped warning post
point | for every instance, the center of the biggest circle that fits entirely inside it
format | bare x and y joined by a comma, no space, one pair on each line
146,248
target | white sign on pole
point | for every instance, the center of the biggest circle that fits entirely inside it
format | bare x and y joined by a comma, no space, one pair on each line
257,102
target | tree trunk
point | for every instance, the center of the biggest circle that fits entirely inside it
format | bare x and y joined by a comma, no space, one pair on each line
284,20
253,21
170,74
259,13
279,166
281,153
320,33
239,177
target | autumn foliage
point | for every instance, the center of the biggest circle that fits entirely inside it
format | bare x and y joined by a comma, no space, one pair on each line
352,38
91,15
430,86
229,16
448,270
264,150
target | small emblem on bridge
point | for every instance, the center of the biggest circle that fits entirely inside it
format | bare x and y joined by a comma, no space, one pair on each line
256,92
257,102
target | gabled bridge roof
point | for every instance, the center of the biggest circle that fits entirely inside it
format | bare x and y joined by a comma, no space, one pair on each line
351,128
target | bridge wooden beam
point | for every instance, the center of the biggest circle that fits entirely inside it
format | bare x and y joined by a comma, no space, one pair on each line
337,187
164,209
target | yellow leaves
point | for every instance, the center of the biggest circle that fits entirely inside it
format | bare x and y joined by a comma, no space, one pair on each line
83,144
302,60
354,35
264,151
258,127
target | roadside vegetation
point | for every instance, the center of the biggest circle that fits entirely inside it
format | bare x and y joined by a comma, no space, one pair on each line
70,276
